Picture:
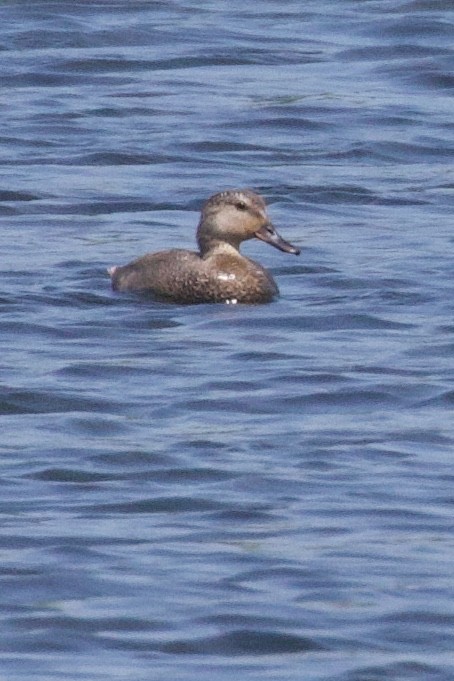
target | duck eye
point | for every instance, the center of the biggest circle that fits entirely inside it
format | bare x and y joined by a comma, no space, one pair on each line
241,205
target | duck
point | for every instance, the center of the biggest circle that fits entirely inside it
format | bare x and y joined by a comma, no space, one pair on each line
217,272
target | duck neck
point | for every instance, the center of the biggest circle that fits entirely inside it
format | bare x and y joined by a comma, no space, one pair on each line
209,242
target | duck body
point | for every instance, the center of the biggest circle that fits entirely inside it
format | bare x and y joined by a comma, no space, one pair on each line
185,277
218,272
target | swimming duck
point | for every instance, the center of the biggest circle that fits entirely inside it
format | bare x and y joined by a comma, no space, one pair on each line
218,272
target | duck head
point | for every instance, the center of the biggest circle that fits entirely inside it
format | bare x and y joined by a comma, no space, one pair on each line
233,216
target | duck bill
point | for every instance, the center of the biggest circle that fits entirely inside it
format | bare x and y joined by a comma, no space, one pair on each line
268,233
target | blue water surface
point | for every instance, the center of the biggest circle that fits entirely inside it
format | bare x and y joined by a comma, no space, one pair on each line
211,491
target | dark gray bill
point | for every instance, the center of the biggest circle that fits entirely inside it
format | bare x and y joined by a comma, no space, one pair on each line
268,233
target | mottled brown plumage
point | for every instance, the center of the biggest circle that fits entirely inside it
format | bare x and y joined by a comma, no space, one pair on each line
218,272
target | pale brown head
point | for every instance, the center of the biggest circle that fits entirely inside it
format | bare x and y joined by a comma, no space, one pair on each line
234,216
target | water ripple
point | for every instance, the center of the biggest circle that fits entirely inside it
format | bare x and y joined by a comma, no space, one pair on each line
217,491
